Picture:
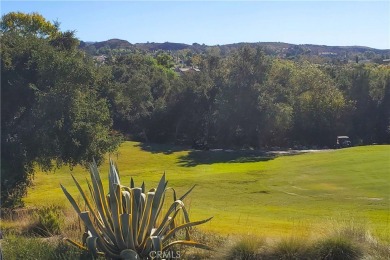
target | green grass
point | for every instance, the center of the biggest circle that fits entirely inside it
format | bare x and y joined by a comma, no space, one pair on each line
248,193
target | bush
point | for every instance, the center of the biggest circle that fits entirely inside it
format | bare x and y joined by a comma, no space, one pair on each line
246,248
289,249
48,221
37,248
337,248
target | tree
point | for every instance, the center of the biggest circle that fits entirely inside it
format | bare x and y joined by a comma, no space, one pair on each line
320,109
239,116
165,60
276,103
138,94
65,41
25,24
52,113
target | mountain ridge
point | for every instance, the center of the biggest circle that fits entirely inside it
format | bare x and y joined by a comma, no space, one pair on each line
167,44
279,49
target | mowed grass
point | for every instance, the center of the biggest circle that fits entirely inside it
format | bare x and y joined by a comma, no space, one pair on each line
251,194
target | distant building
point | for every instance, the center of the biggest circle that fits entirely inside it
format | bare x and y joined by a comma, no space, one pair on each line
327,54
186,70
101,58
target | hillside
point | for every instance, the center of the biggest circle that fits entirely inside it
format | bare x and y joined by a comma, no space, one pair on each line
271,48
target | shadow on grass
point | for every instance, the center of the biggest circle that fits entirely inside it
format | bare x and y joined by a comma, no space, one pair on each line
162,148
195,158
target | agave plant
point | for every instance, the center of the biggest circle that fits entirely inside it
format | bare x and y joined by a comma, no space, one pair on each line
129,223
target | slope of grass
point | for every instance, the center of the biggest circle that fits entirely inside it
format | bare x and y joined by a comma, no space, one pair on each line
249,193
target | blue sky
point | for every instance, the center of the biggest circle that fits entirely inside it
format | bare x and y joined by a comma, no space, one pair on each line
341,23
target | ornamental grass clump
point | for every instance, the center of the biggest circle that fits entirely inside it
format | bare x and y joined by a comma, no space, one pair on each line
130,222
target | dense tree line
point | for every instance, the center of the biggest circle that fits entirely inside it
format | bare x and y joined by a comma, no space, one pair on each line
60,106
249,99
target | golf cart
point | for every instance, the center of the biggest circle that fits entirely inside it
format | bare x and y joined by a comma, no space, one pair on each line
343,141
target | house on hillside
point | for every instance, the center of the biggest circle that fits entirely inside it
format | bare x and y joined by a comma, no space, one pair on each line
181,71
100,59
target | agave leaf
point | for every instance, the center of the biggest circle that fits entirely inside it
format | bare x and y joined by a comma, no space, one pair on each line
127,230
173,191
88,222
125,188
116,205
146,247
157,243
106,231
86,200
142,203
168,223
157,204
100,198
113,174
175,207
129,254
145,218
125,221
188,192
71,200
90,189
187,243
119,197
136,211
186,225
75,243
126,197
92,246
108,248
116,167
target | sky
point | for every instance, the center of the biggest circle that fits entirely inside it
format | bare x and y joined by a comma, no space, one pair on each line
335,23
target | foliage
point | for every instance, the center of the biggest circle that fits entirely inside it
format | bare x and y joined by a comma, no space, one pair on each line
165,60
289,249
36,248
129,223
49,221
25,24
52,113
239,114
138,93
337,248
246,98
246,248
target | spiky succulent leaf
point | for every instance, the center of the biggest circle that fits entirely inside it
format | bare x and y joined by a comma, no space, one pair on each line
129,254
127,223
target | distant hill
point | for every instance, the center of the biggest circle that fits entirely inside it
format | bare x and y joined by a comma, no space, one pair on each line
166,46
112,44
273,48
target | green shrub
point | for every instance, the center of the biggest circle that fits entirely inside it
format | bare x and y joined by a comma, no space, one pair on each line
246,248
337,248
289,249
48,221
19,247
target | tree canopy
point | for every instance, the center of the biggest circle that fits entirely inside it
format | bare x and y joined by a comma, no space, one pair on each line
52,113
